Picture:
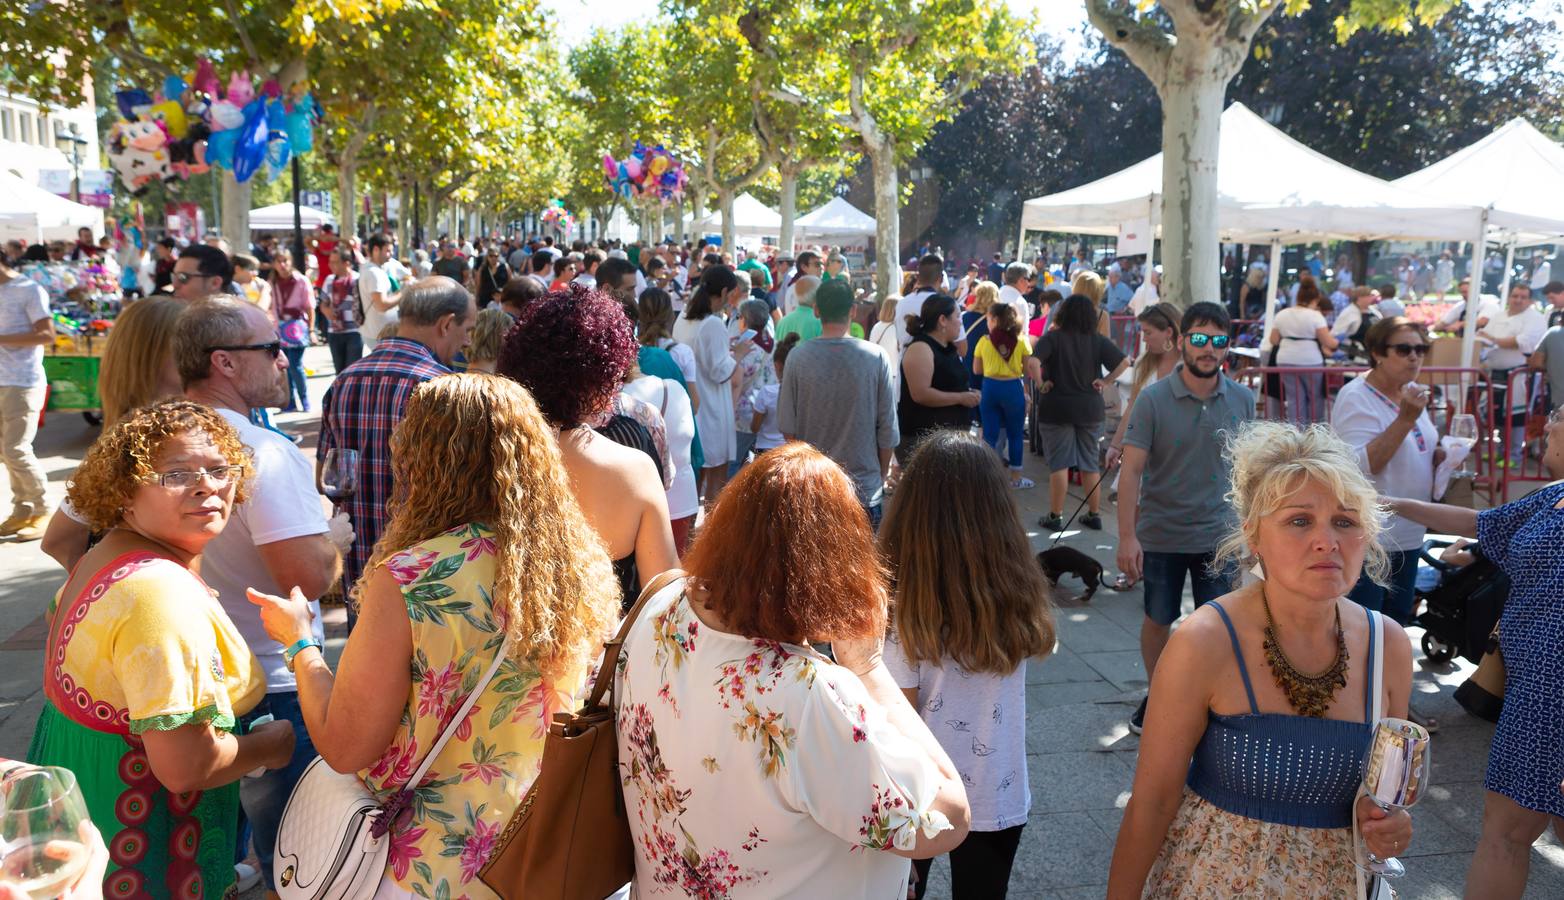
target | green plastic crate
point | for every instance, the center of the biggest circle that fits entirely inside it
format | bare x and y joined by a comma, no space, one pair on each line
73,382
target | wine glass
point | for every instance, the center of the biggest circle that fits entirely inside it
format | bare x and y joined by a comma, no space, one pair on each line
1396,770
339,477
41,847
1463,428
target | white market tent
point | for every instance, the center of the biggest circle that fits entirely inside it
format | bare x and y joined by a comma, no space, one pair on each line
30,213
279,217
836,218
1516,175
751,218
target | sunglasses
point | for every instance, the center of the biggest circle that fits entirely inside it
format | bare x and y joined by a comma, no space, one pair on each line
1409,349
1218,341
271,349
187,277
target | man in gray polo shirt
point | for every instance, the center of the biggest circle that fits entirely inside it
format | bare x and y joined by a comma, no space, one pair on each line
836,395
1172,488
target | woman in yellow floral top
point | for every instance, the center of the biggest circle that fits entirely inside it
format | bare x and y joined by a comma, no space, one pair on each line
485,541
144,673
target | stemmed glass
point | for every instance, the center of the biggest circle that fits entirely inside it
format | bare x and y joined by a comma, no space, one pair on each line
41,816
1396,770
339,477
1463,428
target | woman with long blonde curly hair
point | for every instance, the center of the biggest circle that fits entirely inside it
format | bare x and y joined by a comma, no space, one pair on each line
486,552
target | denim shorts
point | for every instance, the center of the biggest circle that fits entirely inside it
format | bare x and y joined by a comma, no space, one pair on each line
1163,574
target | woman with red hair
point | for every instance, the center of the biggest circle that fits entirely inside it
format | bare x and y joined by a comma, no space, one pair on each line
799,775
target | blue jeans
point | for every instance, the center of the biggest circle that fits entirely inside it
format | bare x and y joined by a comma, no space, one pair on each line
296,383
1004,407
263,798
875,514
1397,601
1163,591
746,443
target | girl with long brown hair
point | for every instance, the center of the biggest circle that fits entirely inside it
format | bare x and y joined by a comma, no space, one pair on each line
965,623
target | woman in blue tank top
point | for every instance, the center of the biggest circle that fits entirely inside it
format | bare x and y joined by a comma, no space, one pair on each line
1260,708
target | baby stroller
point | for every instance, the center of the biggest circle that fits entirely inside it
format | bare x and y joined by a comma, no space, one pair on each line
1460,617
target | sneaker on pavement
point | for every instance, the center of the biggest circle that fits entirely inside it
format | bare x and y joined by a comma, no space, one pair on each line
246,877
17,520
1052,522
1138,721
1092,521
31,529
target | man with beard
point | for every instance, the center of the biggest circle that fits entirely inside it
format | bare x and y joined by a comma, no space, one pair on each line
1174,480
278,540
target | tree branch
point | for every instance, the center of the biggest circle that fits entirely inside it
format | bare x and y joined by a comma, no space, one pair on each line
129,47
1146,44
244,33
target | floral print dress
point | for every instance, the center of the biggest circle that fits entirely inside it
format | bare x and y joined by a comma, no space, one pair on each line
454,820
754,769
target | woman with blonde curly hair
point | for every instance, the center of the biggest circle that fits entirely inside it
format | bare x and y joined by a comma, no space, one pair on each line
484,350
1249,763
468,567
145,675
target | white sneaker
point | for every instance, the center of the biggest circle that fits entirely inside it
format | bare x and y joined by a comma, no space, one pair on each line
246,877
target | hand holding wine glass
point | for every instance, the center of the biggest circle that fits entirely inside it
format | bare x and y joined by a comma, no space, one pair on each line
1396,770
48,847
339,473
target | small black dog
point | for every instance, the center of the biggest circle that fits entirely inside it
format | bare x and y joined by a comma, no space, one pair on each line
1060,560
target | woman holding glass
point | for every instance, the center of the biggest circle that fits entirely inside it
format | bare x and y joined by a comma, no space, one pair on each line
1525,538
144,673
1249,769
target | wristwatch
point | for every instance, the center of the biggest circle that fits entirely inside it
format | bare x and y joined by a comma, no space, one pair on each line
298,647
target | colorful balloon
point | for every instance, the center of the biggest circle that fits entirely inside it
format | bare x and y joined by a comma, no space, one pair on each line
250,152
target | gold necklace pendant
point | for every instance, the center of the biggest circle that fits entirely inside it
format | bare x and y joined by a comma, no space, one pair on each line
1310,695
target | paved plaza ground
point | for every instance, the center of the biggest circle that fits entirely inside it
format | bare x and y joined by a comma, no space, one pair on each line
1081,754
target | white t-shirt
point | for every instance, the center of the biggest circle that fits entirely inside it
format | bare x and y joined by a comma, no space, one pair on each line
1012,297
679,417
1527,326
884,334
1348,321
1362,414
588,281
1488,306
980,720
1299,328
910,305
372,280
765,403
1541,277
1145,296
283,504
23,301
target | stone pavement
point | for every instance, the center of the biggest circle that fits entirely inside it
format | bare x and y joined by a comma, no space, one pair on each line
1081,756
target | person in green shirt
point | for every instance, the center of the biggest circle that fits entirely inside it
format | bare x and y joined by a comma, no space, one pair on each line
760,276
801,321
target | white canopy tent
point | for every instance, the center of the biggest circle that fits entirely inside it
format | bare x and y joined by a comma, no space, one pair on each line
751,218
279,217
837,218
1516,174
30,213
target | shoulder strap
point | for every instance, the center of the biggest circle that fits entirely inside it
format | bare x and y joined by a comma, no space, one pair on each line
1374,707
1243,670
461,715
605,672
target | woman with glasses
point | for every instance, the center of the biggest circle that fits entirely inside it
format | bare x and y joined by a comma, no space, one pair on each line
144,674
1383,416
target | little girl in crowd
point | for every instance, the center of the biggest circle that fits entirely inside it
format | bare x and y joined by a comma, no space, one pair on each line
767,433
965,620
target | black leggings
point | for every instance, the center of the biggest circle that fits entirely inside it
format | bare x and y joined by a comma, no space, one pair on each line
979,868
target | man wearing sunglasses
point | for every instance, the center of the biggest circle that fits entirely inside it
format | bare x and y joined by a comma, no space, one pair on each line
202,271
1174,480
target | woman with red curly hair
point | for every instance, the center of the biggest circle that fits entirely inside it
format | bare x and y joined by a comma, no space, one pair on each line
145,675
571,350
799,775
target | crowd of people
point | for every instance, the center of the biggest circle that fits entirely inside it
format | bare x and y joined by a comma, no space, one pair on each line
827,686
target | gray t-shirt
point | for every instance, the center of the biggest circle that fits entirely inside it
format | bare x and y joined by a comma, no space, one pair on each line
1182,506
1552,347
836,395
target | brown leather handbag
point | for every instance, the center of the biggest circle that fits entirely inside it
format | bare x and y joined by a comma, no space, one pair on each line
570,837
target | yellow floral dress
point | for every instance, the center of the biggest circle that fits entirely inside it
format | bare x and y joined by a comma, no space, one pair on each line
146,647
453,819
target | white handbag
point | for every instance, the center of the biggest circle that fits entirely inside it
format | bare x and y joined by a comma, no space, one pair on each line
331,843
1372,887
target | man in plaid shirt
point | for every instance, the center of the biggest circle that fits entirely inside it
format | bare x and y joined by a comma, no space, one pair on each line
367,401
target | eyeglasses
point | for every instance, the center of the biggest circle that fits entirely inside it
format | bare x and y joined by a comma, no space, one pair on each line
1218,341
1409,349
271,349
221,476
187,277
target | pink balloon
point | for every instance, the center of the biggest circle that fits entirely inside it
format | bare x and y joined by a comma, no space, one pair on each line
633,168
609,166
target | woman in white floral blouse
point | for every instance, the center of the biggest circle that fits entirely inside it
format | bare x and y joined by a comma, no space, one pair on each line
753,765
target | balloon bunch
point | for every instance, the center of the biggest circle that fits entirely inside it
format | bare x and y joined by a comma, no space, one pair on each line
650,172
557,215
186,128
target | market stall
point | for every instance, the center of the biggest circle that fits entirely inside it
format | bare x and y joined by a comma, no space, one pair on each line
32,214
837,224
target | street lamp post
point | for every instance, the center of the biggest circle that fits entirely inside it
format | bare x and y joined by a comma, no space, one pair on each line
76,141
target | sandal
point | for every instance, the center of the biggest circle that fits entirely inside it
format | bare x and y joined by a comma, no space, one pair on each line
1023,483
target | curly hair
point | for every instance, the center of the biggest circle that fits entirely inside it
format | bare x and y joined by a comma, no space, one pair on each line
493,322
554,589
820,578
571,351
121,459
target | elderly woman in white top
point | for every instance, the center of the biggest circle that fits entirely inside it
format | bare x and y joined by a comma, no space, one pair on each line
1384,417
1302,338
703,327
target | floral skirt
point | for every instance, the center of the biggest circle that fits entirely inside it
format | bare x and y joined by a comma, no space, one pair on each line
1211,853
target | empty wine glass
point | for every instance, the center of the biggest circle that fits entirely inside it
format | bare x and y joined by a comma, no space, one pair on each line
339,476
1463,429
1395,774
41,847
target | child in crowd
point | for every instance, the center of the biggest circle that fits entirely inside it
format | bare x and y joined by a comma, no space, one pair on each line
965,619
768,433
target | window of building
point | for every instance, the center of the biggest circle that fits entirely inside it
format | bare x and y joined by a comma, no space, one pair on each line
26,135
7,124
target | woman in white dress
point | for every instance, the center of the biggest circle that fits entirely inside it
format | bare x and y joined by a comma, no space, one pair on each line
703,328
673,403
1302,338
884,334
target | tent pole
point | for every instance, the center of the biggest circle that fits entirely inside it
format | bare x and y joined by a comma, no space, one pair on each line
1509,267
1270,287
1474,299
1151,229
1021,240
